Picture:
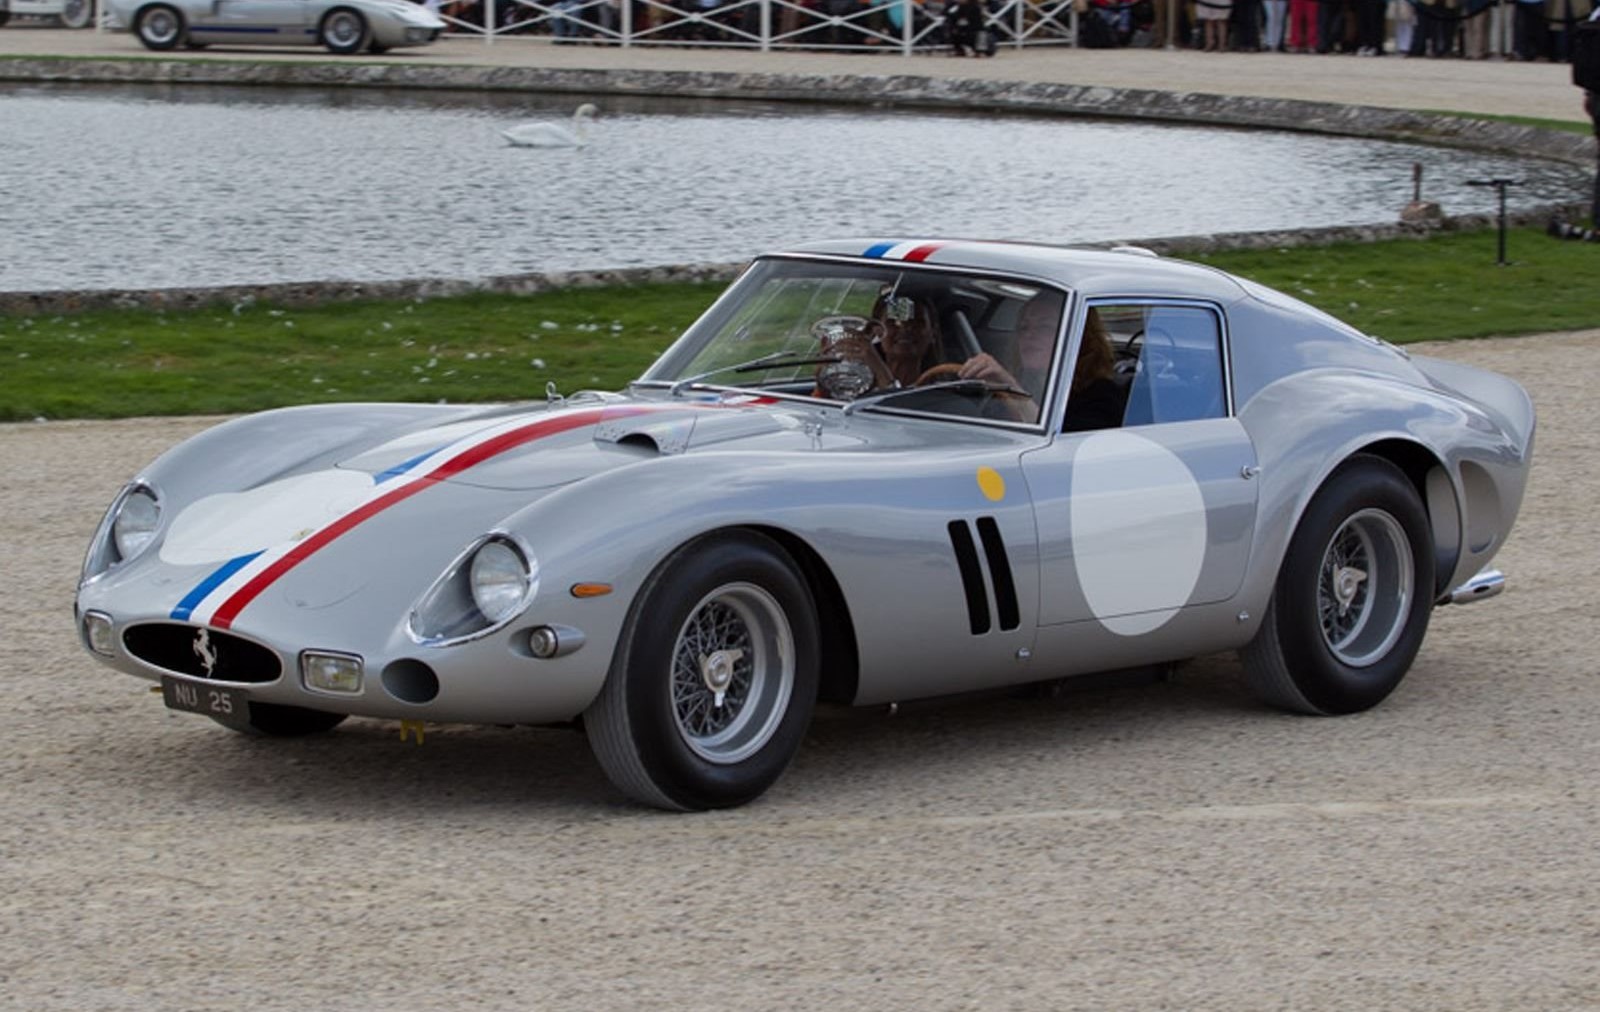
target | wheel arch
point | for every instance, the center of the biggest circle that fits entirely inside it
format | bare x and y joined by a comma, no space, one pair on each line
840,660
328,14
1431,478
838,656
172,5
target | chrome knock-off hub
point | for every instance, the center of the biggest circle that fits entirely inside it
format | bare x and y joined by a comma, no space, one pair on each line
716,668
1347,582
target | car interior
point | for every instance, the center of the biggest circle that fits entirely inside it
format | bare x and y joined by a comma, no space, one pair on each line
899,338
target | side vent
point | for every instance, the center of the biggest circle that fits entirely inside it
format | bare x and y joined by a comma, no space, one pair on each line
972,577
1005,592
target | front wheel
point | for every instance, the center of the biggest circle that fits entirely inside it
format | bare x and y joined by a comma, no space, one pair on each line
77,13
159,27
1352,601
345,32
714,678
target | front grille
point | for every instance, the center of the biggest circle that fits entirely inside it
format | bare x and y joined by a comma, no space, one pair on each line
201,653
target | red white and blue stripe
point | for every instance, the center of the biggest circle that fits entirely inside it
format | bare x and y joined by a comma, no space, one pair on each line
218,599
915,251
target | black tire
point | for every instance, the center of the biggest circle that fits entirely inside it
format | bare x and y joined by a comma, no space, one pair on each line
4,17
78,13
279,721
659,728
160,27
1353,597
344,32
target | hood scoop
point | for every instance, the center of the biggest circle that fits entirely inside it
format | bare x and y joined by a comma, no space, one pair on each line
673,432
666,436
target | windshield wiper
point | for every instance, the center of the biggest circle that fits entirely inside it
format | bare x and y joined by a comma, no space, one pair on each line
972,385
776,360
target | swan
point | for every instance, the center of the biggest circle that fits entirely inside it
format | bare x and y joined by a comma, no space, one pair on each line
553,135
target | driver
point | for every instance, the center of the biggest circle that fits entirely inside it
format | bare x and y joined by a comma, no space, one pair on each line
1038,322
1095,401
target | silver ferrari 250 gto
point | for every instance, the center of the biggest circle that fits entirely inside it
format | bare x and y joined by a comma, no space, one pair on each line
873,471
343,26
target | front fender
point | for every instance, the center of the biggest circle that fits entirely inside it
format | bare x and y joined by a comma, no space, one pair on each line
879,523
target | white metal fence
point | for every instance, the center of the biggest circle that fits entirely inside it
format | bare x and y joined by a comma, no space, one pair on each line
891,26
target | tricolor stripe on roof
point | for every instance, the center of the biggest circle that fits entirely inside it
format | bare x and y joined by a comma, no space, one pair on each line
915,251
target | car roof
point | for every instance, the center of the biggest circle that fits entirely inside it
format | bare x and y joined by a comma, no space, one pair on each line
1125,272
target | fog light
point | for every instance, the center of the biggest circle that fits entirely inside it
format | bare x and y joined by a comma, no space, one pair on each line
547,641
417,34
97,633
330,672
543,643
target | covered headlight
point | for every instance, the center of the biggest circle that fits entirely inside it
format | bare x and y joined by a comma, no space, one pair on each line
485,587
130,525
499,580
134,526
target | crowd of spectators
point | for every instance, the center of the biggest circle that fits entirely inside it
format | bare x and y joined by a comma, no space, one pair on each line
1469,29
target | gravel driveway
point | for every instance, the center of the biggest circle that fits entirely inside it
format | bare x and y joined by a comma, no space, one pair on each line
1159,846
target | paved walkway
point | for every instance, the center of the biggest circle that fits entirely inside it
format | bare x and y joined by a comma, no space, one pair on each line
1498,88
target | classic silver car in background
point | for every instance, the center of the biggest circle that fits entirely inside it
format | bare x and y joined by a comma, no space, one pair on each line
343,26
871,472
73,13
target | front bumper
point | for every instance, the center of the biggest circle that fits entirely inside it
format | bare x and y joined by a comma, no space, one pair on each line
493,680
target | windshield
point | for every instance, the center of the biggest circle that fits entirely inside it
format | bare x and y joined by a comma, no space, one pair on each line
843,332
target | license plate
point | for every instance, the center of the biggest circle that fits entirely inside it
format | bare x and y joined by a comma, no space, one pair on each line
225,706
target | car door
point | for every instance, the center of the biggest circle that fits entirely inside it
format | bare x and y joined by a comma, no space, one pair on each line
279,22
1140,520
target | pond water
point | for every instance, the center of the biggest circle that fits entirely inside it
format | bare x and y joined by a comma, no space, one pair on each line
141,186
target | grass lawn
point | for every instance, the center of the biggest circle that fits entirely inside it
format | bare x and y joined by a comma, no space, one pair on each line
117,363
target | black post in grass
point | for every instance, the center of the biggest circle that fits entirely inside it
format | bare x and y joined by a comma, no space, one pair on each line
1499,185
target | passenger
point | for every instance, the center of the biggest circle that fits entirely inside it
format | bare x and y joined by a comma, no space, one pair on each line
1096,401
909,342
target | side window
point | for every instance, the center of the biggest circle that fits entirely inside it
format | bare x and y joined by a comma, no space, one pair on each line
1166,364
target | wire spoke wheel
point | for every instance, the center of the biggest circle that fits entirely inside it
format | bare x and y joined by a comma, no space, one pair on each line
1350,607
1364,587
732,673
160,27
344,29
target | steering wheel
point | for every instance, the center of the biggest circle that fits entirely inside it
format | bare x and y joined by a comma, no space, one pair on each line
1127,356
939,373
1161,355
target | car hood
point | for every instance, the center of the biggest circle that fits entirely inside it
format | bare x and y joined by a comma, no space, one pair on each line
549,447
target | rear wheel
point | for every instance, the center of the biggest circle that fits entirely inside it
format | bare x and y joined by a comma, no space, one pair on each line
159,27
1353,598
77,13
345,31
714,678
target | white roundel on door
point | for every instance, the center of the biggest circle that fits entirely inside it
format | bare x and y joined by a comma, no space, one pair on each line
1138,530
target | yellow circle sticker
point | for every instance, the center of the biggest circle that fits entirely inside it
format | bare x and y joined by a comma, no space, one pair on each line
993,486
